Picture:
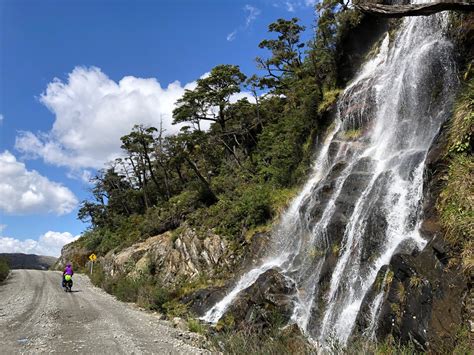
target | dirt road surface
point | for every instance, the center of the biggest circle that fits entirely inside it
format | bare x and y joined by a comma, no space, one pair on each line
37,316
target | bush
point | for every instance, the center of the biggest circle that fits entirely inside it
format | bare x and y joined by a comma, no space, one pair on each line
152,296
126,289
4,269
252,341
169,215
196,326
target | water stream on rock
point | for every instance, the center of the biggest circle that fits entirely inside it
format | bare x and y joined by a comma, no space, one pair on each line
362,202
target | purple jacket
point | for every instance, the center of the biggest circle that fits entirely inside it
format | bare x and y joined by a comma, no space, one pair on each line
68,270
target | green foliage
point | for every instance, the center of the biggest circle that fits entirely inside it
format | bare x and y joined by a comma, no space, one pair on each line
329,99
257,341
462,123
169,215
153,296
455,200
98,277
4,269
456,207
174,308
352,134
416,281
126,288
196,326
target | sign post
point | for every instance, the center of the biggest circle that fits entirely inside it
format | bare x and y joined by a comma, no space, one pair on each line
92,258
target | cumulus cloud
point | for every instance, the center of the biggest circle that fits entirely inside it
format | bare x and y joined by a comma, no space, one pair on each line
25,191
92,112
290,6
49,244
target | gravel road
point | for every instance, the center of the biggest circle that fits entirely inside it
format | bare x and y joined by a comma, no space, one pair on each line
37,316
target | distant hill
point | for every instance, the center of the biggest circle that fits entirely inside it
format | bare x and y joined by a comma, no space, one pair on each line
28,261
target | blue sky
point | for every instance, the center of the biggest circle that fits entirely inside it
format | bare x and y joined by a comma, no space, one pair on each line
76,75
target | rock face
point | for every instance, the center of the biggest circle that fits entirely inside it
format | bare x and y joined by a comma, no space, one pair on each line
424,296
72,253
267,301
170,258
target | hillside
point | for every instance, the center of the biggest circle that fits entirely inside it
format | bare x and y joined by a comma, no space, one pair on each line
338,201
28,261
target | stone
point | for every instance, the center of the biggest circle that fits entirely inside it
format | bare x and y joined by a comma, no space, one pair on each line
179,323
268,299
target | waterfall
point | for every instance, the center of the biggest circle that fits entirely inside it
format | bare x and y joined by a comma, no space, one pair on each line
362,202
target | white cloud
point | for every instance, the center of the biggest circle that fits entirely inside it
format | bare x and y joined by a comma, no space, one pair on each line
24,192
231,36
2,227
49,244
1,118
92,112
290,7
252,15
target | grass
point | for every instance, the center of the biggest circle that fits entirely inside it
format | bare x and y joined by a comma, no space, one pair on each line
329,99
456,201
352,134
196,326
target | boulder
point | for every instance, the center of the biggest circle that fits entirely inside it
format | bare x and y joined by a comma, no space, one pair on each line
268,301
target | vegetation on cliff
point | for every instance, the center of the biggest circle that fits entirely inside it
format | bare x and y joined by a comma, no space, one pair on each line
237,174
455,203
235,164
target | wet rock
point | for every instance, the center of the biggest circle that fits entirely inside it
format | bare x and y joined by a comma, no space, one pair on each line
267,301
422,301
200,301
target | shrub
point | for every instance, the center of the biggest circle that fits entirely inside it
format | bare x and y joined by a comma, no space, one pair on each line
196,326
152,296
4,269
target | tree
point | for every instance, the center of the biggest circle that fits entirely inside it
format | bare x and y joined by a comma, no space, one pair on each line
286,58
185,148
211,97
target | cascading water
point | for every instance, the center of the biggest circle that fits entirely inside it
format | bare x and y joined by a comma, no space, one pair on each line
362,202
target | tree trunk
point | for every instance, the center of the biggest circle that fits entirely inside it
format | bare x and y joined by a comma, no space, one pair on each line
203,180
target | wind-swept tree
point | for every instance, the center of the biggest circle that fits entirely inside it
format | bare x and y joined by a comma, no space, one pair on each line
211,97
286,53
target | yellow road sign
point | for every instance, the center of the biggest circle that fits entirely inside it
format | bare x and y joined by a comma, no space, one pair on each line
92,257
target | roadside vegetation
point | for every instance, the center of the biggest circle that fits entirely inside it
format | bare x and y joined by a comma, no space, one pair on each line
4,269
